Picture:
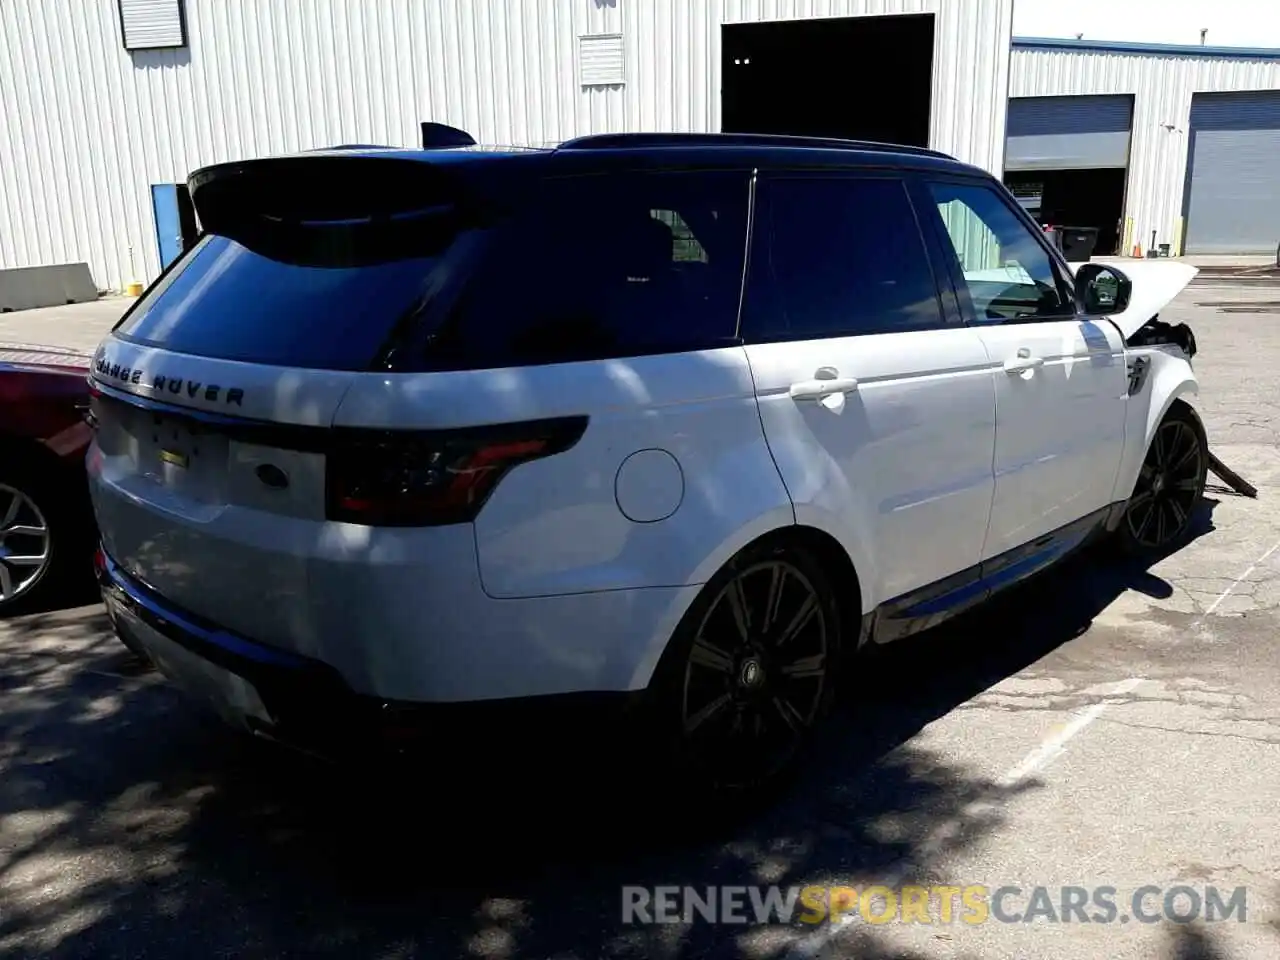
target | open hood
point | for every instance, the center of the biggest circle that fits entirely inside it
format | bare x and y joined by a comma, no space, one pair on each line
1155,283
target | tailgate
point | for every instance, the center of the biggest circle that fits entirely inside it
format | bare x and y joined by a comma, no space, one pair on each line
215,511
217,390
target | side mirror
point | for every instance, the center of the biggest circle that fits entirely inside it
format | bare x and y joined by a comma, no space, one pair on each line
1102,290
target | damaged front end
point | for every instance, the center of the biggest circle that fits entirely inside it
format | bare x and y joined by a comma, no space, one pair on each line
1155,332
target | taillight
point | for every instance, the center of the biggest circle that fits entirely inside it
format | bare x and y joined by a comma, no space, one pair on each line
395,478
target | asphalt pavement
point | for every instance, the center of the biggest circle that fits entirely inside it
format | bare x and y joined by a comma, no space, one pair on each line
1103,726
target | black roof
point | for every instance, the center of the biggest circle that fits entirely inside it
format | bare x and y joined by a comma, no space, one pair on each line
612,150
507,170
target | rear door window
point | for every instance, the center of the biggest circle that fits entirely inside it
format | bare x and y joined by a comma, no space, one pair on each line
842,256
606,265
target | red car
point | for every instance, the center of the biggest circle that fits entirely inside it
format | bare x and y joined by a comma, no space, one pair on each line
47,531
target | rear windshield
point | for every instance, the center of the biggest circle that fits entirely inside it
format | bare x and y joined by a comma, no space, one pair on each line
226,301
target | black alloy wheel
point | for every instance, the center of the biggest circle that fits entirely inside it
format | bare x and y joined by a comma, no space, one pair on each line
757,671
1170,484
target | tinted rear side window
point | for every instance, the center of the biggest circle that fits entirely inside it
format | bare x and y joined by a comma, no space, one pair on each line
607,265
226,301
842,256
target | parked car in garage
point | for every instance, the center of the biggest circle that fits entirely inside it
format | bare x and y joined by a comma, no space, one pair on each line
47,531
688,420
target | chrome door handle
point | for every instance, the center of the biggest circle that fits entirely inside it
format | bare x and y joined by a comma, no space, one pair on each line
826,382
1022,362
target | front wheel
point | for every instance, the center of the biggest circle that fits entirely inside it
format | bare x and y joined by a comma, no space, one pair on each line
750,670
1159,513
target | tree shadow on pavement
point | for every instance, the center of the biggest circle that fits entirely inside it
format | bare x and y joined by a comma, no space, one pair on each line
78,588
132,826
1193,943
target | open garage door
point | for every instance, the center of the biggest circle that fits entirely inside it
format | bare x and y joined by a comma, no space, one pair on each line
1233,173
1068,133
1066,160
827,77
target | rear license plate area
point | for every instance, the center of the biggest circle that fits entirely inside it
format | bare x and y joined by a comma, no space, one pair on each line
182,457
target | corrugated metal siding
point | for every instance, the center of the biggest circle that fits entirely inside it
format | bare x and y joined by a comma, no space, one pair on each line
1162,87
1234,175
1068,133
86,127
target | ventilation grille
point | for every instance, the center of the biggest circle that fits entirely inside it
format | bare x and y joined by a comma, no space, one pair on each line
152,24
600,62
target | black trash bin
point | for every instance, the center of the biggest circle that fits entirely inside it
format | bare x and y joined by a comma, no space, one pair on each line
1076,243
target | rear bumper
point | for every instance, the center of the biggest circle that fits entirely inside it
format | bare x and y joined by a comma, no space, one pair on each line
305,703
260,688
399,614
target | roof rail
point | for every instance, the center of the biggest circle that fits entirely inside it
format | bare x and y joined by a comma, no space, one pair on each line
622,141
437,135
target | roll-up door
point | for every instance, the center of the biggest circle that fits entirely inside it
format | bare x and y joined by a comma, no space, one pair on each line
1233,174
1068,133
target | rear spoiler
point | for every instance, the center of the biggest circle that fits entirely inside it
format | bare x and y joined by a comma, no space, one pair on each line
360,208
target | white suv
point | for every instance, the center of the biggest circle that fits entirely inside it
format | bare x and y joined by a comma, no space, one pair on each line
684,418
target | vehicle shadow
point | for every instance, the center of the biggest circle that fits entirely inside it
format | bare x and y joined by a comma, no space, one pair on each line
914,681
131,825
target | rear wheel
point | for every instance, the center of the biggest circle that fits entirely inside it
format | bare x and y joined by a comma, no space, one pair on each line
1170,484
750,671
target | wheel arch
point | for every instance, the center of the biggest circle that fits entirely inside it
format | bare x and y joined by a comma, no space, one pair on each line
1165,392
1172,380
783,522
827,549
15,446
51,484
66,481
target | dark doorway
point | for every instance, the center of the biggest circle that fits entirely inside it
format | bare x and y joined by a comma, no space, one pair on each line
1075,198
860,78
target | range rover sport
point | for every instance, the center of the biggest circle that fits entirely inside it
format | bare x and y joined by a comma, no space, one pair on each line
688,419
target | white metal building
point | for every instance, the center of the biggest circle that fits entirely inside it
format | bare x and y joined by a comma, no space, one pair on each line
105,105
1192,135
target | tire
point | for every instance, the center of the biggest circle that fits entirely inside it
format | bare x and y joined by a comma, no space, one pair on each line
45,535
748,674
1158,517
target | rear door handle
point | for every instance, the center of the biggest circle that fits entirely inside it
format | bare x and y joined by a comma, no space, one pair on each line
826,382
1023,361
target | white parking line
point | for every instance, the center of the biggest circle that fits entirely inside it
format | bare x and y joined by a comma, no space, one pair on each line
1237,581
948,830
